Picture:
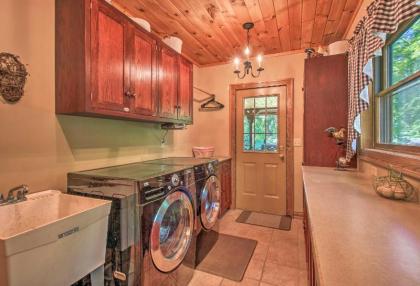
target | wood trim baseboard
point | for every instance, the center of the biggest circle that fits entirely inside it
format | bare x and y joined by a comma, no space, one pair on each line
298,215
408,164
289,135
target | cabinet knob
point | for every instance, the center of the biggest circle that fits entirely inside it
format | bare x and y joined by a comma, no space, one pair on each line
130,94
126,109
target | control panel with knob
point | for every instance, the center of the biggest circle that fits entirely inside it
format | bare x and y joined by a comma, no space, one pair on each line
175,180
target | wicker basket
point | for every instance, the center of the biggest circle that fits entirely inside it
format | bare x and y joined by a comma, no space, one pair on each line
394,186
203,152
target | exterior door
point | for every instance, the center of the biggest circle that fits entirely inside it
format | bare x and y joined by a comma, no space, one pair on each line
172,231
108,55
185,90
168,83
143,74
260,150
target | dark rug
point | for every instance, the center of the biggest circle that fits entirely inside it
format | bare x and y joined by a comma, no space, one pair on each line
282,222
229,257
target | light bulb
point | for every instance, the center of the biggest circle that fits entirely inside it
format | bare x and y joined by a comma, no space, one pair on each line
259,60
247,51
236,61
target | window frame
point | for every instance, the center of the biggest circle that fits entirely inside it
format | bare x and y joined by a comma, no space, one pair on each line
382,88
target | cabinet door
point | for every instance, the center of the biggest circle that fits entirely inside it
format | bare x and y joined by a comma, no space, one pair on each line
325,105
168,84
108,58
185,96
226,181
143,74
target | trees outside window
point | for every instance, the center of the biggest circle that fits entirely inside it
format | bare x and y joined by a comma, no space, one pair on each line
398,91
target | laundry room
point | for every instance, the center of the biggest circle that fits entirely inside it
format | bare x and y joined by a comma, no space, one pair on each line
209,142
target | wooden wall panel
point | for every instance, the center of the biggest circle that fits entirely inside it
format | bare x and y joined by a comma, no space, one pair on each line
212,29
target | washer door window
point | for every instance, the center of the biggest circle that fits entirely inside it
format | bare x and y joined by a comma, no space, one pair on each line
172,231
210,202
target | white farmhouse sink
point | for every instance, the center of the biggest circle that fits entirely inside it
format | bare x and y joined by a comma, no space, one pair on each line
52,239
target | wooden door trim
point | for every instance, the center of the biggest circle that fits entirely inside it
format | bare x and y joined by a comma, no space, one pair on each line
288,83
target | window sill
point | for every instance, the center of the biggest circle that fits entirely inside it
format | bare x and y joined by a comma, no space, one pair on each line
408,164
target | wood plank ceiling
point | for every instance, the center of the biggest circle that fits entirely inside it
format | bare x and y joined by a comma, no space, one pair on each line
212,29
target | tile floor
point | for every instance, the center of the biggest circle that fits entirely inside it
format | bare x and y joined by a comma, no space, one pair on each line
279,258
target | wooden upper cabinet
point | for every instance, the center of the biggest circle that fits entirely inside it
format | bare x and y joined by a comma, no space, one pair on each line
108,66
109,59
143,74
168,83
185,96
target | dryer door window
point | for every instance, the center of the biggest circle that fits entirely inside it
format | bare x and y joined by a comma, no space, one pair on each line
172,231
210,202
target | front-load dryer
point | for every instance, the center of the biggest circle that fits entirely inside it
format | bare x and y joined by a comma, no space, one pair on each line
208,199
168,230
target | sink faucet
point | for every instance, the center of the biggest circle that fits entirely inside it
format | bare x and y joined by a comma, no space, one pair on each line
20,191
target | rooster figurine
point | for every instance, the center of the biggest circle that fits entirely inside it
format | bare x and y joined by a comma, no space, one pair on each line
340,139
338,135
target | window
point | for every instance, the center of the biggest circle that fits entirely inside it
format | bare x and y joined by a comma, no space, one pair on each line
397,89
260,123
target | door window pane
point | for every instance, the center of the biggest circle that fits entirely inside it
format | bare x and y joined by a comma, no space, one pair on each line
260,102
247,124
259,142
271,123
271,142
249,102
405,54
272,101
260,124
247,142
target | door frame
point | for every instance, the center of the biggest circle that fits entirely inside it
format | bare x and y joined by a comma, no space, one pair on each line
233,89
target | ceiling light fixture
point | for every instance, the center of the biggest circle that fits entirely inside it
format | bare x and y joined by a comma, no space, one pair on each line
247,52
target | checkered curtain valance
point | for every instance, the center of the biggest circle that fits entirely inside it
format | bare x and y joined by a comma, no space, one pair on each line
383,17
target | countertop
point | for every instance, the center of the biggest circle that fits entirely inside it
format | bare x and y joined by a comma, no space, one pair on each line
222,159
360,238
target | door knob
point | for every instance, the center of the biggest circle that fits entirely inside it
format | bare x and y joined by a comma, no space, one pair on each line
281,156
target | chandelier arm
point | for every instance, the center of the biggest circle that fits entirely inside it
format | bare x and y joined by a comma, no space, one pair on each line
257,75
241,76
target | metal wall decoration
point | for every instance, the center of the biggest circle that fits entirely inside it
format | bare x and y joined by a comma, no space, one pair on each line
12,77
